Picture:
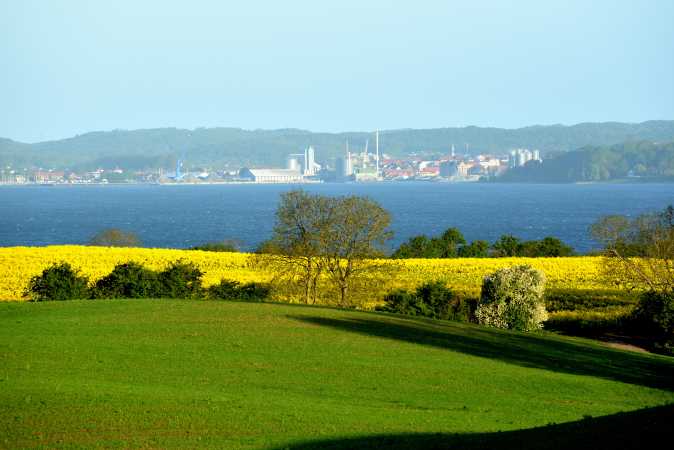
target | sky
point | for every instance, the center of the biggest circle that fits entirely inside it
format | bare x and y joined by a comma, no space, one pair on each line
70,67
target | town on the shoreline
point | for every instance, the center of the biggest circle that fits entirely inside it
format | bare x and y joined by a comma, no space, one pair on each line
355,165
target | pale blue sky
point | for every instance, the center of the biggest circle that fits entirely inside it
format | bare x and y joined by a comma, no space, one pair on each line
69,67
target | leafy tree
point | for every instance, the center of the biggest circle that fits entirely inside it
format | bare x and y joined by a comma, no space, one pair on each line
449,243
476,249
114,237
507,245
444,246
415,247
547,247
551,246
58,282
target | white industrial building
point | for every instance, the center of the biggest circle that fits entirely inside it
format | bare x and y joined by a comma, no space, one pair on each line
520,156
300,168
271,175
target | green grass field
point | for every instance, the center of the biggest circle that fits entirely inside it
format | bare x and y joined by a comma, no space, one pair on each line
196,374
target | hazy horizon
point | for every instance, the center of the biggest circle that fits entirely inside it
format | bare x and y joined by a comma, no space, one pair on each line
77,67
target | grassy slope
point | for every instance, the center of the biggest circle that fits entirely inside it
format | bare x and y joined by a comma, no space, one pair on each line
235,375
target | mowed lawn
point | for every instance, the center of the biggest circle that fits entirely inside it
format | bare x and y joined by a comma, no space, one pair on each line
196,374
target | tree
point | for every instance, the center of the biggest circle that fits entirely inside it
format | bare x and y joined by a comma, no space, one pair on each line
415,247
449,243
337,237
545,248
355,231
114,237
551,246
476,249
293,253
639,252
507,245
444,246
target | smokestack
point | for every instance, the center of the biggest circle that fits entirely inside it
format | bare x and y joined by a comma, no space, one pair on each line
376,145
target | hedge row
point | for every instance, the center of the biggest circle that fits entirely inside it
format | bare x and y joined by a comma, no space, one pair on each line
180,279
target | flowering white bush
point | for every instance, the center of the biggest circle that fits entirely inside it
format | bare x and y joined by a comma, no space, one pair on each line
513,298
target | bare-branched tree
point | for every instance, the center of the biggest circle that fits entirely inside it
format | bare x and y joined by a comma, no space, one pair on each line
355,234
639,252
326,238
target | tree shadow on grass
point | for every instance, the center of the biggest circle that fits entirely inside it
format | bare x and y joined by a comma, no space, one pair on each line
528,350
642,429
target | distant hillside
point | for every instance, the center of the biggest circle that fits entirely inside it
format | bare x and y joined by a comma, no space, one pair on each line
220,146
638,160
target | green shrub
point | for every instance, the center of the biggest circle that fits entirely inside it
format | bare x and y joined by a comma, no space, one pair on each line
512,298
401,301
233,290
181,279
432,299
654,315
437,297
128,280
225,290
58,282
254,292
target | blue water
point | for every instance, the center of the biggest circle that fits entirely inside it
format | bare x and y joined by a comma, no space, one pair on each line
187,215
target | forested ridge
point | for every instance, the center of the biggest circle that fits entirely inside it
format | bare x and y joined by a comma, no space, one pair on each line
219,147
641,160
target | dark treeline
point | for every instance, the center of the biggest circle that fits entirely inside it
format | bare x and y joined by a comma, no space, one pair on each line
452,244
638,160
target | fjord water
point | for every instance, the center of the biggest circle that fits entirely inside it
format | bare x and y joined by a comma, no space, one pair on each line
187,215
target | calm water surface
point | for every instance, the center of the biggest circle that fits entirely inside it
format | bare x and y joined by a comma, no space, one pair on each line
187,215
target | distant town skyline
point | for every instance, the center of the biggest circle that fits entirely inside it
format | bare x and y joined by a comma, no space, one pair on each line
73,66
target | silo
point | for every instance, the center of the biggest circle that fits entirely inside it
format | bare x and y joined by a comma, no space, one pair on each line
292,163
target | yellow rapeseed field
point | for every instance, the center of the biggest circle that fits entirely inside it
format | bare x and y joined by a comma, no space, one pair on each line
19,264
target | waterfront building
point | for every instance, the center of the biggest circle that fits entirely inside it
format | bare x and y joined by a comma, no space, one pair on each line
293,162
311,168
271,175
520,156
